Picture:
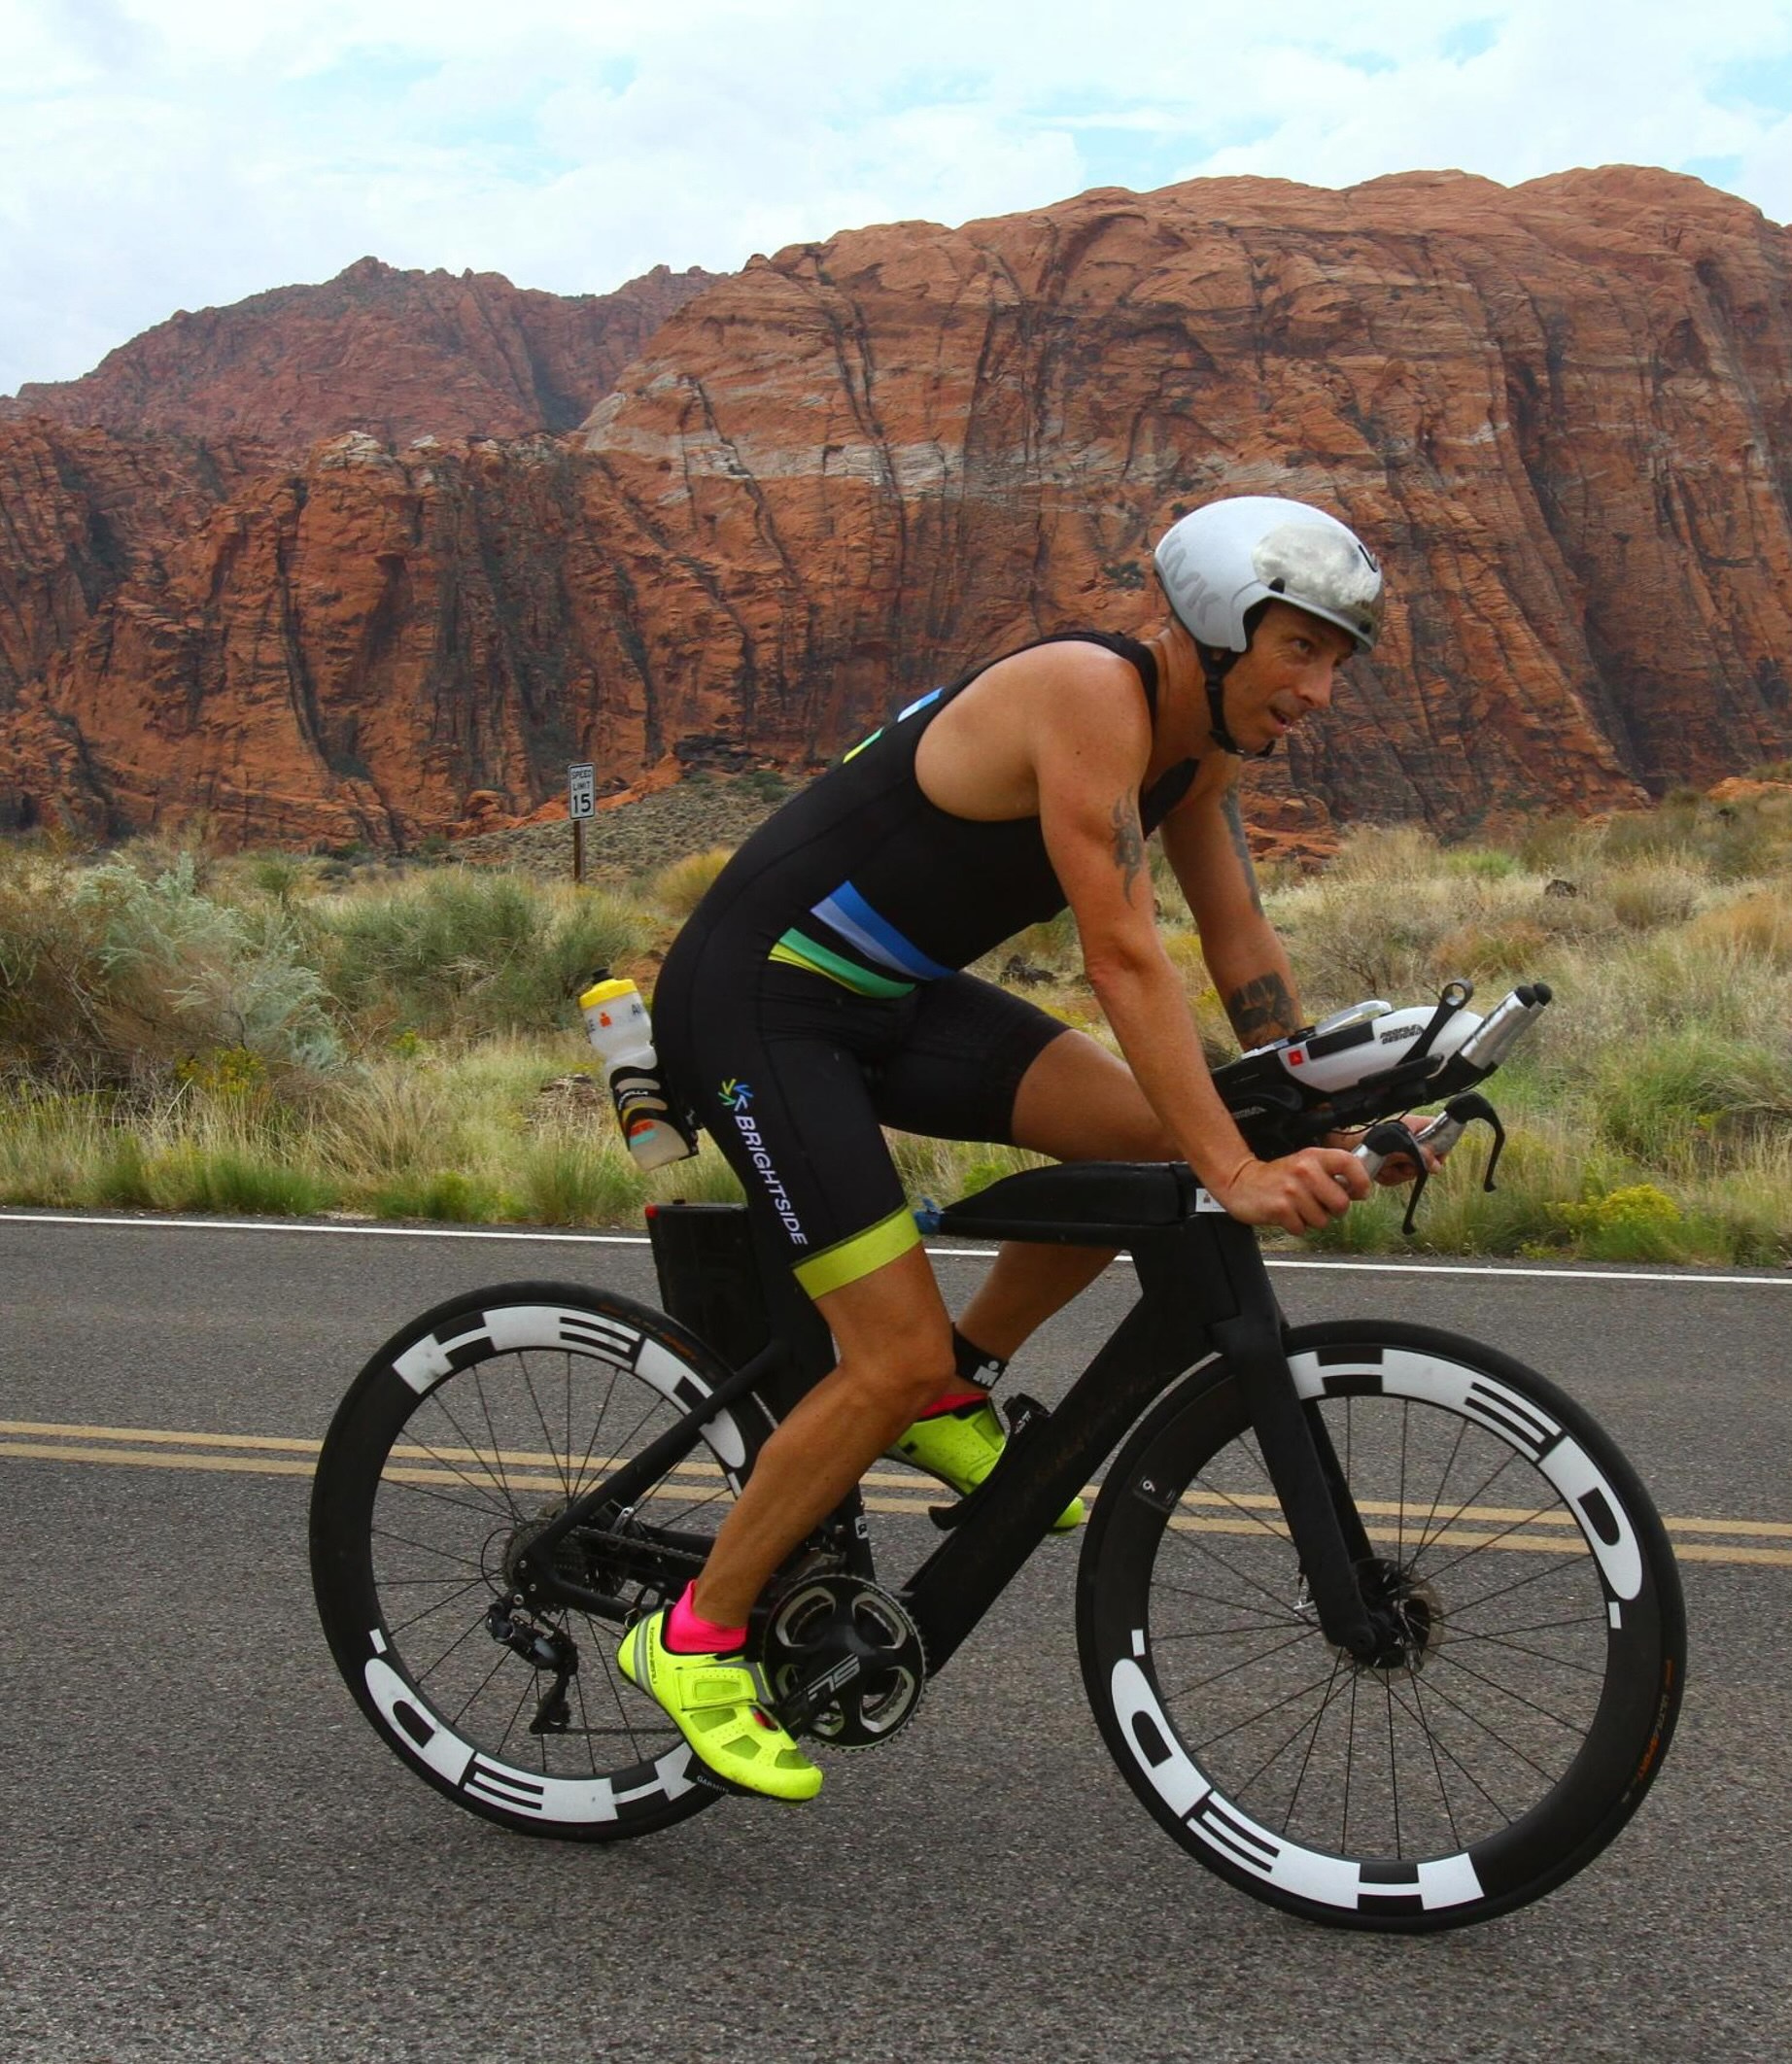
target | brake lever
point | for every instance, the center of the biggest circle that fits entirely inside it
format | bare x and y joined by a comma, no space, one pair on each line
1459,1114
1394,1136
1381,1143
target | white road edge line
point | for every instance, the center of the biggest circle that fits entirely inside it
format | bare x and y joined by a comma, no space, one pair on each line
1683,1276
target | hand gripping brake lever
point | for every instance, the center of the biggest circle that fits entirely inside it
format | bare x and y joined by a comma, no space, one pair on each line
1394,1136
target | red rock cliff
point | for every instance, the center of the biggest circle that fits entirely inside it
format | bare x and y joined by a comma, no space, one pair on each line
1562,413
399,355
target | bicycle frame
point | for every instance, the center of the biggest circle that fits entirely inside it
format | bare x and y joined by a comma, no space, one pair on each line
1202,1290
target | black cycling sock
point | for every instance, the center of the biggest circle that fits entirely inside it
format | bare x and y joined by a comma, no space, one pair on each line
974,1365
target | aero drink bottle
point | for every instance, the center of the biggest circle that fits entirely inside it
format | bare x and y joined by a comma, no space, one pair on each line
616,1025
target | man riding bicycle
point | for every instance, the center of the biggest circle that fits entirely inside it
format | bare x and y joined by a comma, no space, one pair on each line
817,994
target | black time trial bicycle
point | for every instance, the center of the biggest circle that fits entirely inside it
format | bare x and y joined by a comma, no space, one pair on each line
1374,1620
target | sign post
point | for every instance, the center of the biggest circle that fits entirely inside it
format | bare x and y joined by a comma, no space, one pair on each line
582,803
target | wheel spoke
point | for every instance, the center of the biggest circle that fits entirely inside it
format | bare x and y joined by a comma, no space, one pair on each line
428,1670
1231,1670
1249,1582
1225,1734
407,1540
1215,1634
429,1612
1306,1761
1504,1690
1431,1743
1542,1655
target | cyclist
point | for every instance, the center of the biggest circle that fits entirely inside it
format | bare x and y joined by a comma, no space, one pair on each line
817,994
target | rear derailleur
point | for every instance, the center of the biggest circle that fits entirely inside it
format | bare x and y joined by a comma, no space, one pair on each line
550,1650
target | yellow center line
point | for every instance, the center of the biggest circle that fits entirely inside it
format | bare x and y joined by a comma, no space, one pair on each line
533,1471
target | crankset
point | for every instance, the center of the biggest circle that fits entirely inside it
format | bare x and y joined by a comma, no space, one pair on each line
843,1659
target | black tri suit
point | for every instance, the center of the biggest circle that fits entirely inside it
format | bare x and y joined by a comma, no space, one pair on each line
817,994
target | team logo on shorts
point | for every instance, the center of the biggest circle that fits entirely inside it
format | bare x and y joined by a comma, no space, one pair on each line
736,1095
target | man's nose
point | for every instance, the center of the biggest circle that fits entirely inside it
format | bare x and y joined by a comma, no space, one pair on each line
1316,688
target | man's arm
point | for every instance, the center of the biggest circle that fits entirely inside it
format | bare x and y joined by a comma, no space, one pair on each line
1204,839
1088,766
1206,847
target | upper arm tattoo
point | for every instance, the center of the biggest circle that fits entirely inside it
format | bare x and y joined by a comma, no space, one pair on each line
1128,839
1241,845
1262,1011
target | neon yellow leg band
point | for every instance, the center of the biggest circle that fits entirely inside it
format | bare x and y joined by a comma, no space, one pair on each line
847,1261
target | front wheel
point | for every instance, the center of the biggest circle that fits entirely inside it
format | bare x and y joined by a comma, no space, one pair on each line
1536,1680
463,1436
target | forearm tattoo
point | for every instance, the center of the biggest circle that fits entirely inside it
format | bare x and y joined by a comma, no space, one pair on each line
1241,845
1128,841
1262,1011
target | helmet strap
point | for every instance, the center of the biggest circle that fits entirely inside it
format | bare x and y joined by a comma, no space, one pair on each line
1215,665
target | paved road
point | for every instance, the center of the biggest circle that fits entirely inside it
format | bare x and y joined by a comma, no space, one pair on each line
208,1854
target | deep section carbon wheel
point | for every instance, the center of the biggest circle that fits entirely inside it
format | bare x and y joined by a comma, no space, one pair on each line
1530,1685
463,1438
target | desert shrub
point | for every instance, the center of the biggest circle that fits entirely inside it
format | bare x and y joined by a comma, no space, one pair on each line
1758,925
444,1193
679,889
1690,1096
465,955
51,981
1650,895
1496,951
1637,1223
1384,853
1484,862
185,973
574,1182
1726,841
237,1178
111,975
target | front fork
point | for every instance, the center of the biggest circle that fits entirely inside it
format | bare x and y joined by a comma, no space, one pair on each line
1323,1520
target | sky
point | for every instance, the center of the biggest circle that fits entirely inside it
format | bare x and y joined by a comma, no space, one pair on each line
159,154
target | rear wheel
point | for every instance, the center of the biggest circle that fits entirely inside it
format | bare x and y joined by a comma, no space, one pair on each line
463,1436
1519,1716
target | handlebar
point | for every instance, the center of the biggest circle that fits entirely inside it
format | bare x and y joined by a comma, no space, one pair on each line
1363,1068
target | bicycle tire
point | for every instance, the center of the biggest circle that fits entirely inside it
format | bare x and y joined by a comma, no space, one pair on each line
476,1421
1541,1688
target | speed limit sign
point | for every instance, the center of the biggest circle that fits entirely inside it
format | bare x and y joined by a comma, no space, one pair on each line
581,789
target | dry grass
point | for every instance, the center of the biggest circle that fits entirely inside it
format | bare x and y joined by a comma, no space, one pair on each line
263,1035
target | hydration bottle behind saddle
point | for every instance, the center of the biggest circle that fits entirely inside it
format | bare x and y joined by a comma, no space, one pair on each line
617,1025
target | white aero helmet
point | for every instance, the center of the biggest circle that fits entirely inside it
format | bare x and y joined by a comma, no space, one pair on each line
1217,563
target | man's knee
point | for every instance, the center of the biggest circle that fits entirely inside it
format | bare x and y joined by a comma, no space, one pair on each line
908,1367
894,1336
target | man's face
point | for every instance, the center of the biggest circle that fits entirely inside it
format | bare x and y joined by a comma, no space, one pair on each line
1290,669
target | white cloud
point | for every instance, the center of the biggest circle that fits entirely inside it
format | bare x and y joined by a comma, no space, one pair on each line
159,153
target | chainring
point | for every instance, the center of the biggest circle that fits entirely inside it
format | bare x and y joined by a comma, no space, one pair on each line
843,1659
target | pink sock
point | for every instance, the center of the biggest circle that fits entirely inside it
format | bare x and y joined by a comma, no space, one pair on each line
952,1401
689,1634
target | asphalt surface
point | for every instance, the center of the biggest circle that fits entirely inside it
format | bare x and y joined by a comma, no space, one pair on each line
208,1854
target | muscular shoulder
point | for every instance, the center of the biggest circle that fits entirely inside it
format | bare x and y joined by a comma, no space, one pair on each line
985,753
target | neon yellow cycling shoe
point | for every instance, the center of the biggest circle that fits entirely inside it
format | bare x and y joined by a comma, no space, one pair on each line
961,1447
718,1704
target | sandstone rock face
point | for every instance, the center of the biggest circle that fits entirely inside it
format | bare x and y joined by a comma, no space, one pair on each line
399,355
1561,413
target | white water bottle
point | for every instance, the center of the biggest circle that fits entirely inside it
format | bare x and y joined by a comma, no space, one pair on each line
616,1025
